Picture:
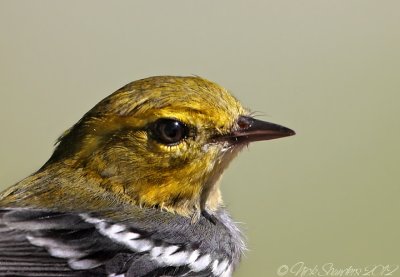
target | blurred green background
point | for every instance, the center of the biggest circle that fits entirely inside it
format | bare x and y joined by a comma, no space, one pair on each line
328,69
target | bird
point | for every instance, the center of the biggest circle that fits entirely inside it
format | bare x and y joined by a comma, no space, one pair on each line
132,189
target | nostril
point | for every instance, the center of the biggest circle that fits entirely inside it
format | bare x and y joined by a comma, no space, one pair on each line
244,122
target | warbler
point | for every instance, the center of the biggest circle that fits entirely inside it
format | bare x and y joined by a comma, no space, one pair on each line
132,189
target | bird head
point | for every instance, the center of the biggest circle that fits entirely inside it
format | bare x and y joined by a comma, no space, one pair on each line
163,142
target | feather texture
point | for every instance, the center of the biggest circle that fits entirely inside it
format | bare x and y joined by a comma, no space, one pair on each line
132,189
45,243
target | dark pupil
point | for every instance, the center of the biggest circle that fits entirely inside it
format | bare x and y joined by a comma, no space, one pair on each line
169,131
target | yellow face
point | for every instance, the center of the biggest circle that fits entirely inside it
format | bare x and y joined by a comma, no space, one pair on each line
162,142
154,140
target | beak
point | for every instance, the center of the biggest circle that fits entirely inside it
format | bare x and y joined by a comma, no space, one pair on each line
250,130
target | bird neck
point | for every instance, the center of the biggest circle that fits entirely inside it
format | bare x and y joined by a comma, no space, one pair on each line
186,197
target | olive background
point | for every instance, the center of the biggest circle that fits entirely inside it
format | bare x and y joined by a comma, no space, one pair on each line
328,69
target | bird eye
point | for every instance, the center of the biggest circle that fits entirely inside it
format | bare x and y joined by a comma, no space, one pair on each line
169,131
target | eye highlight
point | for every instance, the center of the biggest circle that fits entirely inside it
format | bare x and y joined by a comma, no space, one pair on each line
168,131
